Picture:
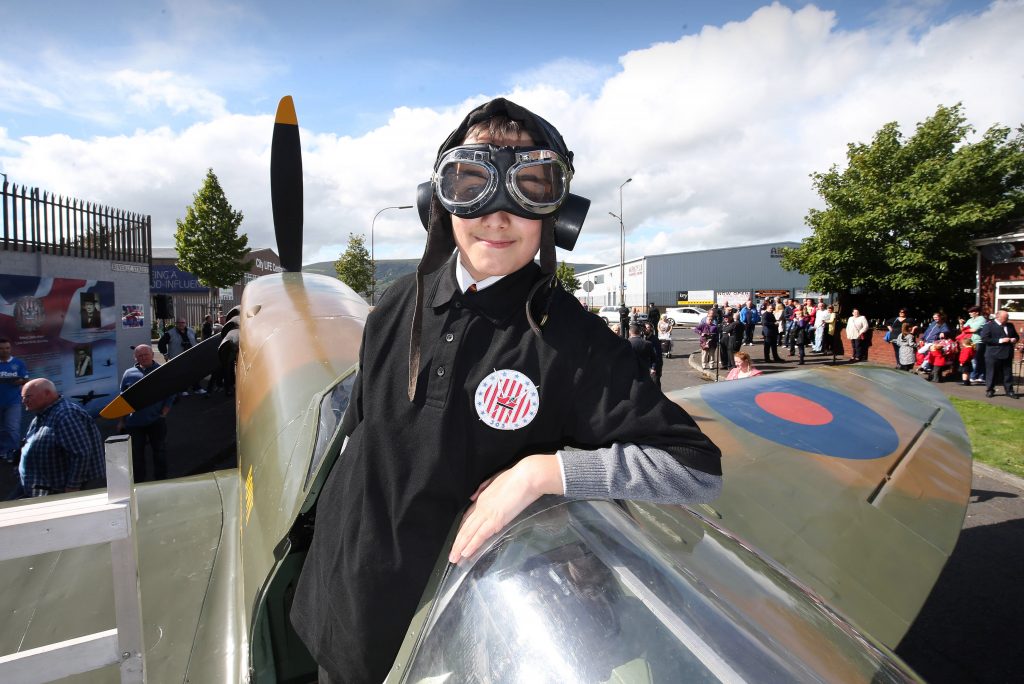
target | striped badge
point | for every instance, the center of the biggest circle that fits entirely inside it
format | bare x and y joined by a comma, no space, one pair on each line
507,400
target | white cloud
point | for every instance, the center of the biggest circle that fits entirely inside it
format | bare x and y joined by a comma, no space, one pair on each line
148,90
19,93
718,130
570,75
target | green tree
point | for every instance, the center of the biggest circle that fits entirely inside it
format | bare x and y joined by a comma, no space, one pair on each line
567,276
899,219
354,266
207,239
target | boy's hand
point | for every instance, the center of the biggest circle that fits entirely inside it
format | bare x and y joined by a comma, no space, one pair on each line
501,498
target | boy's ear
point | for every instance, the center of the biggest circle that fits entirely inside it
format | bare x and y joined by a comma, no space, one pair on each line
424,193
569,221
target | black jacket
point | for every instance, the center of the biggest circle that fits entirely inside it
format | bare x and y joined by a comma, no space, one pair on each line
991,333
409,468
645,359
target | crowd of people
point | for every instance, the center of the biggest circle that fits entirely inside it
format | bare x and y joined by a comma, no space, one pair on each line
977,350
800,328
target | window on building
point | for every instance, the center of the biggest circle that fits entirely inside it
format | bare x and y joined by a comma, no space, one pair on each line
1010,296
598,279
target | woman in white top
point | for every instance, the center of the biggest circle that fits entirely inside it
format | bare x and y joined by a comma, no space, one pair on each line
665,336
820,322
856,329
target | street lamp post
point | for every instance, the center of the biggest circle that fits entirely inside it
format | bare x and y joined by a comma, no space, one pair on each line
623,311
373,262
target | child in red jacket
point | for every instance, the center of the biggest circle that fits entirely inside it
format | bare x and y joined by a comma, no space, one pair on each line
937,355
966,353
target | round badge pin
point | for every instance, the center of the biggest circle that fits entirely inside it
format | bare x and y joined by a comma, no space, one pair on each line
506,400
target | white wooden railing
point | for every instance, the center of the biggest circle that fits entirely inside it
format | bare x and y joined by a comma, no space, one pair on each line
108,517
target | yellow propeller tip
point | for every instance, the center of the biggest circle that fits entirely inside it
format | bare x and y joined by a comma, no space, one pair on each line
117,408
286,112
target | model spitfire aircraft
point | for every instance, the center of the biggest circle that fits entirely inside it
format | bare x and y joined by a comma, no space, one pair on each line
834,524
84,399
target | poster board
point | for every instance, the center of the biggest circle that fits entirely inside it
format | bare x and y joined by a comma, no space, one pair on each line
64,329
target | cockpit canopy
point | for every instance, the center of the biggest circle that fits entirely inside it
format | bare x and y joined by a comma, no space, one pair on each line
577,592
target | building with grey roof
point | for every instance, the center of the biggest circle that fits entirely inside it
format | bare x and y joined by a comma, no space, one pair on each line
733,273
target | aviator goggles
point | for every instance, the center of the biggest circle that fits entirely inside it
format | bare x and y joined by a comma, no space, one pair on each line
474,180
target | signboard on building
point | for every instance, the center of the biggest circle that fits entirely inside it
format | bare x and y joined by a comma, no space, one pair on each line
736,298
170,279
263,265
695,298
765,294
128,268
808,294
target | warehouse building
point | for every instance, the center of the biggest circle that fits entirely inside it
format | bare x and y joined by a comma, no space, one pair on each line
730,274
179,294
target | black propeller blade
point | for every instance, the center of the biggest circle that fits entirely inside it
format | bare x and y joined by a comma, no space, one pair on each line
177,375
286,185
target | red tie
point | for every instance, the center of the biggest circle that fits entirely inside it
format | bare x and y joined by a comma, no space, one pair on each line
471,289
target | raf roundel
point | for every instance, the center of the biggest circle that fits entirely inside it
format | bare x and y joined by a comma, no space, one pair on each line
804,416
506,400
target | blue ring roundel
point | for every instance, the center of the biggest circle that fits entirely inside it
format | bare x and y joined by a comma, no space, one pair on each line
803,416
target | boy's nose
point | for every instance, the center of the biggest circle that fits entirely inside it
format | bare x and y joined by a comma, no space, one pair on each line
498,219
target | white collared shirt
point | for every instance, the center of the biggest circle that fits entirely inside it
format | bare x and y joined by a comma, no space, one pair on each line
464,279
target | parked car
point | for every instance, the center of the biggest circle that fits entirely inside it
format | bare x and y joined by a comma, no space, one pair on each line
610,314
684,315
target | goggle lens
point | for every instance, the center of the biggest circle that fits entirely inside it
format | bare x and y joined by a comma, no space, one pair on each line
540,184
464,182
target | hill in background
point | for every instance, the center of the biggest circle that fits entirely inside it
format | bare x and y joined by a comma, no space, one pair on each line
390,270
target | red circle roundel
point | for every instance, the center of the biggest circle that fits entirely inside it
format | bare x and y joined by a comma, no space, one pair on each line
506,400
804,416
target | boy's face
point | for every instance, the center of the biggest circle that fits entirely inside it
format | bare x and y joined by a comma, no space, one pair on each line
499,243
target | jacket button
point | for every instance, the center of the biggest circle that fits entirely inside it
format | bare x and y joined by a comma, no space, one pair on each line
449,337
458,305
440,371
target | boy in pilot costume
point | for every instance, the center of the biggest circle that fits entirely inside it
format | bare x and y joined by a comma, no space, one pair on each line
503,372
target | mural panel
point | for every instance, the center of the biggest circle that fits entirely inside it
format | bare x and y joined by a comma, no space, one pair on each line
64,330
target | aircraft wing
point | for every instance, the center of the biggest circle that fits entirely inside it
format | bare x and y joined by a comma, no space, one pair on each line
854,480
188,558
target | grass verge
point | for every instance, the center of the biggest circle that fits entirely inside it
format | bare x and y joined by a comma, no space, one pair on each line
995,434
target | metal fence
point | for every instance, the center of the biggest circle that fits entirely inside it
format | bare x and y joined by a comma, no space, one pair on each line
35,221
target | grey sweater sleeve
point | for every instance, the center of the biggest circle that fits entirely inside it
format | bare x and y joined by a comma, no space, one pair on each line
634,472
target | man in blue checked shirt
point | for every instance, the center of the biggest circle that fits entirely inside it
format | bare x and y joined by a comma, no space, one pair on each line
63,448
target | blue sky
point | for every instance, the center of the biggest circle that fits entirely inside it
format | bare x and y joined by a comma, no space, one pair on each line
719,110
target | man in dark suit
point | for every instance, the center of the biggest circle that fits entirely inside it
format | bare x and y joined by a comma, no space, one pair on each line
999,336
644,351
